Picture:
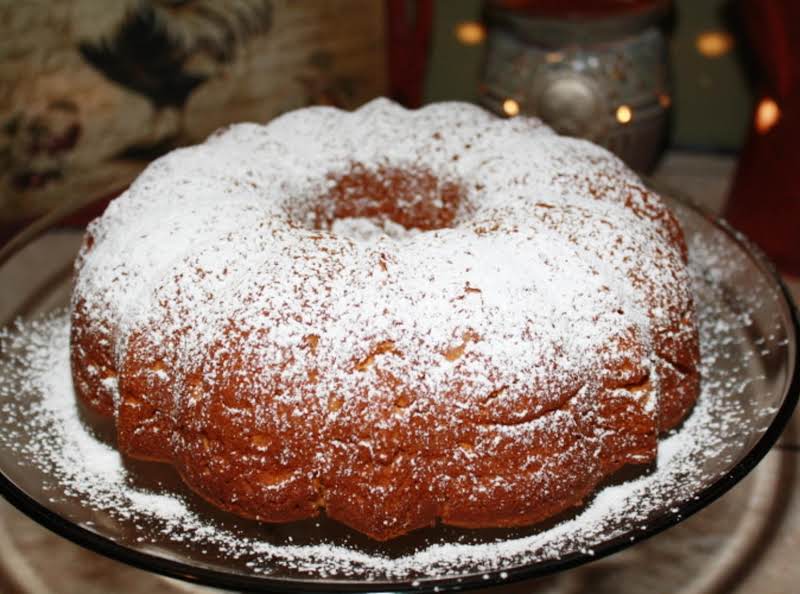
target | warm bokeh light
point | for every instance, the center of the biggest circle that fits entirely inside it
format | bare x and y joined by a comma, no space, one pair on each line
713,44
624,114
510,107
470,33
767,115
553,57
665,100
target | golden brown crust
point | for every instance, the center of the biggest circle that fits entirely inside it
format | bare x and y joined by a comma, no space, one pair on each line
385,458
215,452
92,361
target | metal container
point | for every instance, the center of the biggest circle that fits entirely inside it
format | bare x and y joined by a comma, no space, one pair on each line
600,77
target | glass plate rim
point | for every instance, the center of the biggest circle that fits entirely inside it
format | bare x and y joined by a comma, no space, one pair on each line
214,578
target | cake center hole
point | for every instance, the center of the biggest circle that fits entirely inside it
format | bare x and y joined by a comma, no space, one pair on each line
366,202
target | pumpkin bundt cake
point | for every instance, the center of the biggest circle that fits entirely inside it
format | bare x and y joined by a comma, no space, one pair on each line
393,316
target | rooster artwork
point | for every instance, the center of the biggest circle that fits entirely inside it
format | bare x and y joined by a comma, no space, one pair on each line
91,91
164,50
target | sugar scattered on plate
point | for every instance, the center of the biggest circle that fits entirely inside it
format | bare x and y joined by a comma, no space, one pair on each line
35,361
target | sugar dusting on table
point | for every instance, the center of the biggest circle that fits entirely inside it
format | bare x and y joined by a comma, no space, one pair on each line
82,466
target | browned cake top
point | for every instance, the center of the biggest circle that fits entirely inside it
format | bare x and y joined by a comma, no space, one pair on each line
381,266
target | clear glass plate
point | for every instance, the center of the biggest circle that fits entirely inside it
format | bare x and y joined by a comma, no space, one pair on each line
752,366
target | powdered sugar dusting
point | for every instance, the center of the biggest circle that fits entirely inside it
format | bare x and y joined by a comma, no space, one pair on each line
365,229
553,280
37,393
555,250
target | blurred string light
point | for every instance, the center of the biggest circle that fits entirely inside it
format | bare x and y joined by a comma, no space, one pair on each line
767,115
510,107
665,100
713,44
554,57
624,114
470,33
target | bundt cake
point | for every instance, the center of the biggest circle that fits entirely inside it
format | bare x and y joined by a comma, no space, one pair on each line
393,316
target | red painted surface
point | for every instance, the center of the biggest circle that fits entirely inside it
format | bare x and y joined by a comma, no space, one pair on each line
409,25
765,199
